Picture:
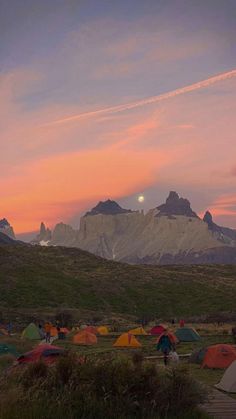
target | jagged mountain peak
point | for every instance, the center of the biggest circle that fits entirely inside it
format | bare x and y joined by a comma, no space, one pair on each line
107,207
44,235
6,228
175,205
208,218
4,223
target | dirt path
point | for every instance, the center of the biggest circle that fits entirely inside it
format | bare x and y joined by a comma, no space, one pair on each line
220,406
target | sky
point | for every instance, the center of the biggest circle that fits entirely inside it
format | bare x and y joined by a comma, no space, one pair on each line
95,104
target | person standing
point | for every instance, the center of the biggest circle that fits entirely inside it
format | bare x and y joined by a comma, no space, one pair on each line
47,329
165,345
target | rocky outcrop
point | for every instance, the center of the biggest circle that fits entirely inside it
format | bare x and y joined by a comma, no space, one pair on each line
6,228
7,240
224,234
168,234
44,236
64,235
108,208
176,206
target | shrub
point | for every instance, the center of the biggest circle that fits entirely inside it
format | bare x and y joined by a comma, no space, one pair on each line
114,388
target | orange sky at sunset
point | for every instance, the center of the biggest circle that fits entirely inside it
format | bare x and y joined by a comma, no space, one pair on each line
57,64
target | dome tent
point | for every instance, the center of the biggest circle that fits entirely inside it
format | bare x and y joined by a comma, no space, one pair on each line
219,356
85,338
137,331
103,330
187,334
127,340
228,381
31,332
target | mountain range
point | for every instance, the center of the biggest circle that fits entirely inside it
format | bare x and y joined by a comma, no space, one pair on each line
171,233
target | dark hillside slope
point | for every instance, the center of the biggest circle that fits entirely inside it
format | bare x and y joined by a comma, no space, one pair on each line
34,277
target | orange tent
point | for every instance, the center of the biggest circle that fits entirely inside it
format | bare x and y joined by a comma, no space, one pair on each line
172,337
103,330
53,331
91,329
127,340
219,356
137,331
85,338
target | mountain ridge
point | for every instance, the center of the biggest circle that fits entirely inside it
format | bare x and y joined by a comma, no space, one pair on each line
168,234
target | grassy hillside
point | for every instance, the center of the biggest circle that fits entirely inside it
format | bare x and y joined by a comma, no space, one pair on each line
41,278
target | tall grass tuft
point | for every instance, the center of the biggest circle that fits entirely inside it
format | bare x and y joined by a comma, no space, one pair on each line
115,388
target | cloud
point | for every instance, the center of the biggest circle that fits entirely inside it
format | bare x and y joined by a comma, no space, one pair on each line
153,99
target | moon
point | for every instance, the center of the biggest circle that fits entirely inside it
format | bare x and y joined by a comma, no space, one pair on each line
140,198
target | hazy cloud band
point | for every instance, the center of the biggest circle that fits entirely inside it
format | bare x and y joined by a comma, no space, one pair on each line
150,100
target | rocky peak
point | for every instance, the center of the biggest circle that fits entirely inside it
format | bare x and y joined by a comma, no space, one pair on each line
107,208
6,228
208,218
4,223
175,205
44,235
224,232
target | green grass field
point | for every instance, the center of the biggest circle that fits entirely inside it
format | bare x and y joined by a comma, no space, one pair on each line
37,279
104,348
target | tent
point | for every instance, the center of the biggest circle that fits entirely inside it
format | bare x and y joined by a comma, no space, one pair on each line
197,356
85,338
137,331
157,330
219,356
187,334
228,381
53,332
6,349
103,330
127,340
91,329
31,332
172,337
47,353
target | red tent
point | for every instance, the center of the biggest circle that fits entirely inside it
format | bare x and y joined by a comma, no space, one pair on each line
91,329
157,330
48,353
219,356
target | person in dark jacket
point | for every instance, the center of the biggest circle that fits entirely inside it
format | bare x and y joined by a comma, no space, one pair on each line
165,345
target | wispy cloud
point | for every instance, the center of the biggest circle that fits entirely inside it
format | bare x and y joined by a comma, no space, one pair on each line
153,99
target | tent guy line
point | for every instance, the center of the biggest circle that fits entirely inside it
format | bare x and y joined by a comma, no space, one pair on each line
153,99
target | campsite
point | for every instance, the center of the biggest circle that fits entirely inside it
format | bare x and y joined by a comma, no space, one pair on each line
99,343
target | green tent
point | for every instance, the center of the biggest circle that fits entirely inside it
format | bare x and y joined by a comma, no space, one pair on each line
31,332
187,334
6,349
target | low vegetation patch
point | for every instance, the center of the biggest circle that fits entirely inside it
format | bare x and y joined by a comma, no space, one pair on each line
112,388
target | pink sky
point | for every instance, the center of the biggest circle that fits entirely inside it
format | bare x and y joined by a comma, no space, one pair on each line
54,172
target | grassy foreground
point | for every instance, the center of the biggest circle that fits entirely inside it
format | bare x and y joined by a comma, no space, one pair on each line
134,376
43,278
115,388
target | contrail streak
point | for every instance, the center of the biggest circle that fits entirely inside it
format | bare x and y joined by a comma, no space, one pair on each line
150,100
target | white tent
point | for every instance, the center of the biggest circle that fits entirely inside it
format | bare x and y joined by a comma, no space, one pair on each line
228,381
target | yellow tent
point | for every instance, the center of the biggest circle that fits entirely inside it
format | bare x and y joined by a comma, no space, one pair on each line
127,340
103,330
138,331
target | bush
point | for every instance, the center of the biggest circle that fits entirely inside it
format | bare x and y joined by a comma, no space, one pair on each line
114,388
